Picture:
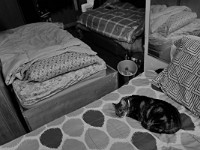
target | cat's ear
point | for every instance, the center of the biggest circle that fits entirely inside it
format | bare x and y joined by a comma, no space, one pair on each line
123,103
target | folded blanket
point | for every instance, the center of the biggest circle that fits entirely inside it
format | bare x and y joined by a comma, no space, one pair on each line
48,68
30,92
33,42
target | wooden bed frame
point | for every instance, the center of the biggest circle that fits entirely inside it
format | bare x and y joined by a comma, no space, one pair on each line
68,100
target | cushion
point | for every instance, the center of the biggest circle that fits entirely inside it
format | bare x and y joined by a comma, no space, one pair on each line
180,80
176,22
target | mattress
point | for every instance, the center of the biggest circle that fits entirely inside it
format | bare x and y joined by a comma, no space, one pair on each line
120,21
96,126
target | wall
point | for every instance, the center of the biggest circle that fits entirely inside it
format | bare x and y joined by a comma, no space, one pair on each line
10,14
194,5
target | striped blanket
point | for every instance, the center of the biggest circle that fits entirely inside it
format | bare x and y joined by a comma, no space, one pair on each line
120,21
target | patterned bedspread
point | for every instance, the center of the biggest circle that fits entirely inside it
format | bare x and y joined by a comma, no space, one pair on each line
95,126
121,21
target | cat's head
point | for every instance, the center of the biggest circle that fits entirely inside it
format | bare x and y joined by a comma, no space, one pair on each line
121,108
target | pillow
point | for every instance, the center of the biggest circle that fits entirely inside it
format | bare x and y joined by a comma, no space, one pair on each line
176,22
180,80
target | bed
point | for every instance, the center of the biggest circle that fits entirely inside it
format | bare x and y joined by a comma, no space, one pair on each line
118,24
96,126
167,24
42,64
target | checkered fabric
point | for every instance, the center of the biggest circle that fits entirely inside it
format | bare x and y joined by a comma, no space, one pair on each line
181,79
121,21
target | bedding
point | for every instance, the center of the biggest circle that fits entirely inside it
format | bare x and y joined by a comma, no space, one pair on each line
180,80
119,21
96,126
168,24
170,19
41,59
192,28
136,46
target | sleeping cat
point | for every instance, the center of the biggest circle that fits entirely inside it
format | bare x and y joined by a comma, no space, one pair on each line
155,115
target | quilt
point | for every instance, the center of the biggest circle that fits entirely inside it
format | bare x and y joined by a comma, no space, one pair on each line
120,21
96,126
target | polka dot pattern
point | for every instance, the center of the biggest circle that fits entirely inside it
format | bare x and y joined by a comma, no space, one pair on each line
111,97
92,137
140,82
187,122
146,92
96,126
94,118
13,143
117,129
166,139
73,127
54,141
126,89
122,146
73,144
29,144
109,110
150,74
144,141
134,123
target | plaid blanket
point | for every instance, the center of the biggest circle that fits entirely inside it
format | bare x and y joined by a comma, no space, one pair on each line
121,21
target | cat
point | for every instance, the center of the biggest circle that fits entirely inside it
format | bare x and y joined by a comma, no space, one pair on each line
154,115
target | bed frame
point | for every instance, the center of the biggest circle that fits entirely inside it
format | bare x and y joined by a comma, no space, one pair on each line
68,100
